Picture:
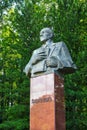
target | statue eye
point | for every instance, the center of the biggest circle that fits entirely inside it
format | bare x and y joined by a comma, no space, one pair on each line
43,32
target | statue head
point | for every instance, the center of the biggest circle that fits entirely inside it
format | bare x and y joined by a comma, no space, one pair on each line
46,34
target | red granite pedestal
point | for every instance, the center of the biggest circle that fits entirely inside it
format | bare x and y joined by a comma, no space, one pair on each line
47,110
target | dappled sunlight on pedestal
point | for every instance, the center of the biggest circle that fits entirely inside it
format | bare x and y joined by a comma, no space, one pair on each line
47,109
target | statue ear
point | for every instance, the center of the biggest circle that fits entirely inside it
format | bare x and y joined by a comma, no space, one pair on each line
51,35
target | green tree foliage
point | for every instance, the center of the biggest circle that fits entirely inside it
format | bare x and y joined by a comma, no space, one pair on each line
14,92
20,23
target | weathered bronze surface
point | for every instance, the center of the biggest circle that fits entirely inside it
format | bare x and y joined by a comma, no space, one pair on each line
50,57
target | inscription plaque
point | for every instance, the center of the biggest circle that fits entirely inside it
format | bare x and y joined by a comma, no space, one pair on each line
42,100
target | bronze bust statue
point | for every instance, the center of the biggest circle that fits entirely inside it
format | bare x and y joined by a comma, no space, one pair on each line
50,57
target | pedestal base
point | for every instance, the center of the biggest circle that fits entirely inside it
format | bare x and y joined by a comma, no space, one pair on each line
47,110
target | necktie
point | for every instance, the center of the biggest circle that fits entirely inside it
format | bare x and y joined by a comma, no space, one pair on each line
48,51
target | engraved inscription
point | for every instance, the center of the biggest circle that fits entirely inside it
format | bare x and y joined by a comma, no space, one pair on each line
42,100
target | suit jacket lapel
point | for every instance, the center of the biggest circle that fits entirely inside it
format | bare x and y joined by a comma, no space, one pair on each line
52,49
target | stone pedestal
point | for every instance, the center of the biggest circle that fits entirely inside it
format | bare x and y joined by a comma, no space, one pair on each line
47,110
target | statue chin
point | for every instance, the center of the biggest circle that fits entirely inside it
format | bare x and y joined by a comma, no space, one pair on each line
43,39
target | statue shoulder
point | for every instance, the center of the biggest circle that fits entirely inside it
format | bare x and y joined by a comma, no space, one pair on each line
36,50
59,44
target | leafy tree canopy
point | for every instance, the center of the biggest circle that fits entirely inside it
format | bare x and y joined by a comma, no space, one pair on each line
20,24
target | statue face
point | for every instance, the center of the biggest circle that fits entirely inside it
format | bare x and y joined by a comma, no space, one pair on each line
45,34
